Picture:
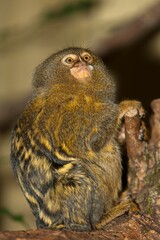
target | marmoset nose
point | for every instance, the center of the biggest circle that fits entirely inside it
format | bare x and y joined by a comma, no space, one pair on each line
79,63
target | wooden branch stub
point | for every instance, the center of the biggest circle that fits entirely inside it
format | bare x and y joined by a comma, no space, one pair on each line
155,124
46,235
135,148
132,131
129,228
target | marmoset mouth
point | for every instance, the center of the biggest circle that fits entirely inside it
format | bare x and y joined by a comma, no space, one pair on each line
82,71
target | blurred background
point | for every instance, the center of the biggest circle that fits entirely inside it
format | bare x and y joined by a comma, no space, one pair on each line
126,34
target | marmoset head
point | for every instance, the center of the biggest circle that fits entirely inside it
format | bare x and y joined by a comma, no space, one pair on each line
73,66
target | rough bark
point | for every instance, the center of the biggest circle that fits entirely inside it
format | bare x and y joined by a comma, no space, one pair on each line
143,184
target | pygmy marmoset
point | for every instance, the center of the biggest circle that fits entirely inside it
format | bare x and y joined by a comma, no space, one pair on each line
64,148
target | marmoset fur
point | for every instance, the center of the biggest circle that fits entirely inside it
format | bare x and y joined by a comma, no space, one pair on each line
64,148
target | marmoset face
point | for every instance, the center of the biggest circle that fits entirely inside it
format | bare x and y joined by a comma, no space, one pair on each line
76,64
80,65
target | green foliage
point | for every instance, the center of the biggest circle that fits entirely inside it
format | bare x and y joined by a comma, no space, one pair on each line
67,10
4,34
15,217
